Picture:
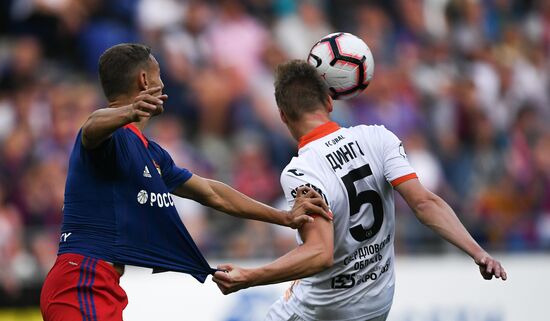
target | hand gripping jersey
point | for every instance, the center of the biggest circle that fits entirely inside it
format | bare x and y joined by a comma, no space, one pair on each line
118,206
354,170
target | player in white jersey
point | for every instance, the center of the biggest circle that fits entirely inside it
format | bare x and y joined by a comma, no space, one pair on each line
345,267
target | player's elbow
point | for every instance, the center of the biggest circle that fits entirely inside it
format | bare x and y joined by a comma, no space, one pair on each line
217,202
212,197
425,206
324,258
87,133
88,137
327,261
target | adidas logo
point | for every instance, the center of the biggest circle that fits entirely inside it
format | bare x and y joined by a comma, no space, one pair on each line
146,172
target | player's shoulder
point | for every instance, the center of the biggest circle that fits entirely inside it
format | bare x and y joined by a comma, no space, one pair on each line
153,144
295,167
375,133
375,128
121,134
303,168
298,173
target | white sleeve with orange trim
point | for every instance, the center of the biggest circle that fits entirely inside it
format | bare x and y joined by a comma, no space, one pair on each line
396,165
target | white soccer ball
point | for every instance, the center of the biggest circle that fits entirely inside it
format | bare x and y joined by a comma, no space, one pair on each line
345,62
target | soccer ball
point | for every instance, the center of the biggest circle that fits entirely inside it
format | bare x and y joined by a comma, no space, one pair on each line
345,62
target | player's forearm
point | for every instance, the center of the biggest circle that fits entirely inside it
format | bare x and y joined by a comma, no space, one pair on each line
102,123
440,217
237,204
304,261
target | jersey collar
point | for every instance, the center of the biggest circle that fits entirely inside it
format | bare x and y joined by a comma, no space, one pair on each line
318,132
138,133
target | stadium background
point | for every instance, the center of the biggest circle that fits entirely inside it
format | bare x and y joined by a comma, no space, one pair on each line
464,83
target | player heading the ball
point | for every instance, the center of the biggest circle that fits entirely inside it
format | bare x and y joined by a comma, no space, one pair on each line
344,269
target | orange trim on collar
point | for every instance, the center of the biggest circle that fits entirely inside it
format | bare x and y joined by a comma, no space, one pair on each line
318,132
138,133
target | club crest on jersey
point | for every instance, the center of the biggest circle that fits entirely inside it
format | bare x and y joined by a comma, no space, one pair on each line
157,166
294,192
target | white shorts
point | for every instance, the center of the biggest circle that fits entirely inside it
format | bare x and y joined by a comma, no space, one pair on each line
280,311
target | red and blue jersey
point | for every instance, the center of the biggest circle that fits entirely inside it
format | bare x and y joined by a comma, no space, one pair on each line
118,206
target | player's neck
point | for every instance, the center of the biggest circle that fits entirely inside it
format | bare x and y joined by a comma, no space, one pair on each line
308,123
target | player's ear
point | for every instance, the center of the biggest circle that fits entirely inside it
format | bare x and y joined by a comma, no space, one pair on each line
283,116
143,84
329,105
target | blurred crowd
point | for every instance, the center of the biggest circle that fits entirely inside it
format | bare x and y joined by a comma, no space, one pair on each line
464,83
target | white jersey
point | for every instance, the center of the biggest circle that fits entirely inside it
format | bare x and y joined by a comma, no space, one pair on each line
354,170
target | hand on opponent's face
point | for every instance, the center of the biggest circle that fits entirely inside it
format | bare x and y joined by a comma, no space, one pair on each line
147,104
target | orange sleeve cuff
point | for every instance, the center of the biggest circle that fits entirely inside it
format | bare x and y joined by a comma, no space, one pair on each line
403,179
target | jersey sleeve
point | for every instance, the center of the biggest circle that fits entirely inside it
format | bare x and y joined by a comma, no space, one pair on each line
172,175
294,178
105,155
396,165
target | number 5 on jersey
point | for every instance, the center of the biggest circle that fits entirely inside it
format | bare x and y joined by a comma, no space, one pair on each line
356,200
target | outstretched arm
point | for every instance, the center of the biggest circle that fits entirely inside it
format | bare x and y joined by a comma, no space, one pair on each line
101,124
314,256
435,213
224,198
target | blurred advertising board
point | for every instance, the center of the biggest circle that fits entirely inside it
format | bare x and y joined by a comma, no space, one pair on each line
433,288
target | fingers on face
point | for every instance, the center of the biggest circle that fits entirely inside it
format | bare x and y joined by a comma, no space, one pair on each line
151,99
145,106
151,90
141,113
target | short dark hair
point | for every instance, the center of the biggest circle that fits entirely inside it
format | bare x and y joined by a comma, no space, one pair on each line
299,88
118,66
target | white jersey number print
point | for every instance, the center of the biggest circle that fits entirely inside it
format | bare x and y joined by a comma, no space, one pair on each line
354,170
